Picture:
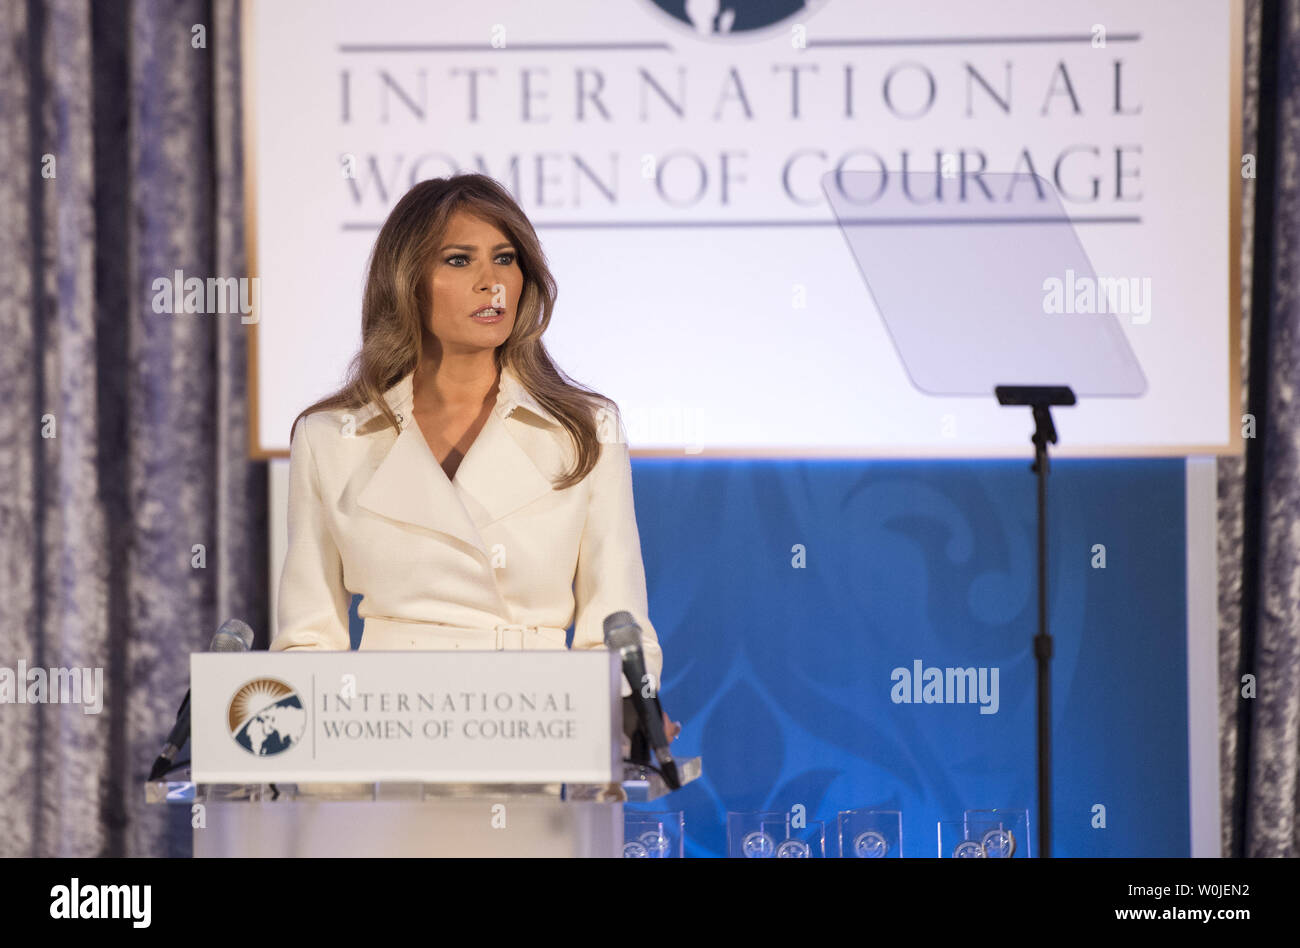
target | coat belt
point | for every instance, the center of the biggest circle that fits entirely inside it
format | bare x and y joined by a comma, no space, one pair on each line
384,632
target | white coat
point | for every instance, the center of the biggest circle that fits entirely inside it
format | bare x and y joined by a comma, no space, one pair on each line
492,559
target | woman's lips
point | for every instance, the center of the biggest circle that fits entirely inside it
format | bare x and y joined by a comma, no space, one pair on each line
489,316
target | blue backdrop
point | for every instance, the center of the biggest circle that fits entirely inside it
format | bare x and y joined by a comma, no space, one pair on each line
786,593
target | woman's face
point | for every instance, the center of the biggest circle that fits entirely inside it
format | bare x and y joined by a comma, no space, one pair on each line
476,266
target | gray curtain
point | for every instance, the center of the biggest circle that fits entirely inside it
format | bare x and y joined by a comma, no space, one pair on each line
1259,495
148,456
123,441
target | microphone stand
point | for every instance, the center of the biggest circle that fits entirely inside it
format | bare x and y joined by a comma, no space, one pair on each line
1041,398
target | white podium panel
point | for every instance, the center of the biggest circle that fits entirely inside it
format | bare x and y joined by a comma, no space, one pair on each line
426,716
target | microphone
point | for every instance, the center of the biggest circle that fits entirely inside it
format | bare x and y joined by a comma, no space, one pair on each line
235,627
623,635
234,635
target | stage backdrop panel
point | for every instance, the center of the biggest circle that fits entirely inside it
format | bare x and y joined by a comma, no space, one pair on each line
672,166
784,676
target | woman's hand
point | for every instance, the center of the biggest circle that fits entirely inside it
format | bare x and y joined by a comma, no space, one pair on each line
671,728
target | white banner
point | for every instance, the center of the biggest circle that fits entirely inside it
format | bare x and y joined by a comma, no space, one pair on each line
669,155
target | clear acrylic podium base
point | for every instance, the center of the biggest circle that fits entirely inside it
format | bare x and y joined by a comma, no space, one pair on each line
412,819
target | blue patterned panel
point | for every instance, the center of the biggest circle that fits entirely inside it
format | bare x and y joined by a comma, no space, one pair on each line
782,668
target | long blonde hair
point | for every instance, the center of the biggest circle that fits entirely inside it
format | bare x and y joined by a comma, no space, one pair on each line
396,301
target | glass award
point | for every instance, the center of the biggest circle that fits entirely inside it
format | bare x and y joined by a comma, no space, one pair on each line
1003,833
870,834
803,842
955,842
756,835
654,835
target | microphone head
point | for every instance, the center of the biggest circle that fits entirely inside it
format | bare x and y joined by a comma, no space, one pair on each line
233,636
241,629
621,631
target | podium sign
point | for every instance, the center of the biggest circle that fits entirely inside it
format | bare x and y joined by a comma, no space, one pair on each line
427,716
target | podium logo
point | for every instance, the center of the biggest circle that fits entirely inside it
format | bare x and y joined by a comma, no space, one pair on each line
266,717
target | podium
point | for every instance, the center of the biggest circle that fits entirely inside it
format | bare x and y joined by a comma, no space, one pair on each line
435,778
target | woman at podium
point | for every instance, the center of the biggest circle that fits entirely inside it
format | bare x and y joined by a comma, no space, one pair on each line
472,494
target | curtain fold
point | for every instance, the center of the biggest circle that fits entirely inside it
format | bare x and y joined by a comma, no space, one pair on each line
1231,470
1259,532
139,527
1272,828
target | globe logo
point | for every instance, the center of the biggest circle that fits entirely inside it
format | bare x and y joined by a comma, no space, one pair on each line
722,18
758,845
266,717
870,845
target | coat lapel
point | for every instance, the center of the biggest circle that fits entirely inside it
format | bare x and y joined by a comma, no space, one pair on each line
495,478
409,486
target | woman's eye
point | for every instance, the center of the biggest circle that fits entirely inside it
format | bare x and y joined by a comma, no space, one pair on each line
510,258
